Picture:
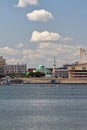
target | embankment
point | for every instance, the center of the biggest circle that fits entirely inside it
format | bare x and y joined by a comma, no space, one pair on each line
58,80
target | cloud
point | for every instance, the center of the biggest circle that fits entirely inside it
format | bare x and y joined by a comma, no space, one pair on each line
64,53
44,36
66,39
42,54
14,60
8,51
27,52
20,45
24,3
39,15
54,49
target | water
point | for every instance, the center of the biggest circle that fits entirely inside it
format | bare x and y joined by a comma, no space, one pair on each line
39,107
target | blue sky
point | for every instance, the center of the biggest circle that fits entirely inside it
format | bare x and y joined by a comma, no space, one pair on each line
34,31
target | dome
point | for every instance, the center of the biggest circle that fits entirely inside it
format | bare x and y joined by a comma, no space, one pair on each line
41,66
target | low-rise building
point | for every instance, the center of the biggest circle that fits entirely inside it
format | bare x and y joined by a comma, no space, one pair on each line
62,72
15,69
78,71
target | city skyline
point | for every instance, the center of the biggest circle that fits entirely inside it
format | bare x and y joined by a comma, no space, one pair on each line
34,31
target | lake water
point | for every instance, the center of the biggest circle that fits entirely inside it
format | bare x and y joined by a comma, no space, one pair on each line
39,107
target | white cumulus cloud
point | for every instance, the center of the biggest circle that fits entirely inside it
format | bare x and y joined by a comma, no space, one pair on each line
8,50
44,36
24,3
39,15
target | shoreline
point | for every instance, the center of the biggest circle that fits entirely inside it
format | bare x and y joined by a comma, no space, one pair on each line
45,81
57,80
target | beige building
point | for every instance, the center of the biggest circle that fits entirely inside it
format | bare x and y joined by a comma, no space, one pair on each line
2,65
78,71
83,56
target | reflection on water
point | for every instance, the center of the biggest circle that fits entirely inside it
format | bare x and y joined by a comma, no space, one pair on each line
39,107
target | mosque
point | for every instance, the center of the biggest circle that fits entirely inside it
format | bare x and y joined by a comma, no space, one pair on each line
46,71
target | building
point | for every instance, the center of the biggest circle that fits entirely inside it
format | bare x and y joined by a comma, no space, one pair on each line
83,56
62,72
78,71
15,69
2,65
41,68
31,69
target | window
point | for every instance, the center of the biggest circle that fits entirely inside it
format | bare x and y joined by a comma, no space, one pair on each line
83,68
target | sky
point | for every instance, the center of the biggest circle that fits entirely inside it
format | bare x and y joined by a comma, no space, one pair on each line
34,31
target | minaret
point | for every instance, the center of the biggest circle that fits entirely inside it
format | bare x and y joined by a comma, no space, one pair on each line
54,67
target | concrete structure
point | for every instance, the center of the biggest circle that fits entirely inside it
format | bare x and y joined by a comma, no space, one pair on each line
78,71
58,80
15,69
83,56
62,72
54,68
2,65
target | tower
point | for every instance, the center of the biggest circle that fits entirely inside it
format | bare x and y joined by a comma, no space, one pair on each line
83,55
54,67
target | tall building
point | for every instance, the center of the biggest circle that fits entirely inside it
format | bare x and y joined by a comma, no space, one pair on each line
83,56
2,65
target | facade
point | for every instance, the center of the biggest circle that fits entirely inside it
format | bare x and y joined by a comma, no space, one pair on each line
2,65
61,73
83,56
15,69
78,71
41,68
